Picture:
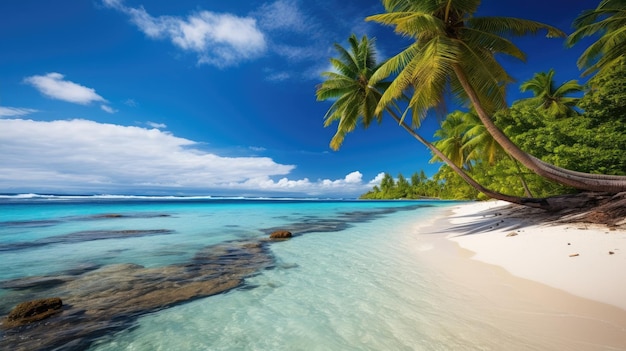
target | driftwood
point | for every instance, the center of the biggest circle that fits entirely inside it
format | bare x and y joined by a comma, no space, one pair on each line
613,204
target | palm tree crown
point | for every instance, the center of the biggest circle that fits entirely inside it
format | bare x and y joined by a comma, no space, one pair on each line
355,99
447,35
551,98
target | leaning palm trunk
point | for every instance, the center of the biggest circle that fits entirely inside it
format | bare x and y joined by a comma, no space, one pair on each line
458,170
578,180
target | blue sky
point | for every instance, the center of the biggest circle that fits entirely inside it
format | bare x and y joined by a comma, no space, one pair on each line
207,97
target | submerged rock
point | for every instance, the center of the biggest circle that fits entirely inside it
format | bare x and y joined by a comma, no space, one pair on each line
33,311
101,300
280,234
83,236
34,282
111,297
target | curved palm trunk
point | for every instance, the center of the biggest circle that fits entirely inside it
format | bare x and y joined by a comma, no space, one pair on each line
458,170
579,180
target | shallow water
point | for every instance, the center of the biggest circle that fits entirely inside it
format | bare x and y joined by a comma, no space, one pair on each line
346,281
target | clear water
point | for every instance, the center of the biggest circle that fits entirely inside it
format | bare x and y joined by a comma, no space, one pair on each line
357,288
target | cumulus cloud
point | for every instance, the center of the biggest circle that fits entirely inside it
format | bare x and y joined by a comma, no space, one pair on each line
99,157
218,39
6,111
377,179
280,27
53,85
354,177
350,185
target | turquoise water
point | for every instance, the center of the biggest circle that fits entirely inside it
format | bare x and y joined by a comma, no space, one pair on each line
344,282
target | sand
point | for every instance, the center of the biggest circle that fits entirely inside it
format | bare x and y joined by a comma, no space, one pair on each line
542,285
585,260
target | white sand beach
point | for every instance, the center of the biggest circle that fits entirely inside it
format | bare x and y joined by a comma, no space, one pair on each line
561,286
586,260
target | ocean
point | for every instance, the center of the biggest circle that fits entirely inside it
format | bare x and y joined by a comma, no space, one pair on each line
199,273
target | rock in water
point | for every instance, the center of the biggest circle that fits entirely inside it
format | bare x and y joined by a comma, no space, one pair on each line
112,297
281,234
32,311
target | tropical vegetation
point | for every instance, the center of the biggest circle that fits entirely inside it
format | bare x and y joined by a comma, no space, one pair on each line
555,100
356,99
551,149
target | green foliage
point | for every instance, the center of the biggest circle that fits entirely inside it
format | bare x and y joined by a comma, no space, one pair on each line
548,96
454,56
606,96
420,187
592,142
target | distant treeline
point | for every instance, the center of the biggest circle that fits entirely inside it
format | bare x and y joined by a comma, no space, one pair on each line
418,187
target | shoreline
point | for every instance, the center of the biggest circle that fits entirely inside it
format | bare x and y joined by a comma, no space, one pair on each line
522,284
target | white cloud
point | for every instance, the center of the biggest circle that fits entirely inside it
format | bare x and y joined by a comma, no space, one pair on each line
156,125
218,39
54,86
350,185
84,155
6,111
354,177
108,109
377,179
224,39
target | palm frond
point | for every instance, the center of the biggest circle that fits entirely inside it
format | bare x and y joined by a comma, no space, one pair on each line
418,25
568,87
513,26
609,21
345,63
494,42
395,64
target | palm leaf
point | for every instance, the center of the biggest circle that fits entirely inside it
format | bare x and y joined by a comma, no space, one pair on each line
513,26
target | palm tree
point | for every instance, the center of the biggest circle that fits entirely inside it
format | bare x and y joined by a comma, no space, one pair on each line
465,141
608,20
356,100
349,85
552,99
454,50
